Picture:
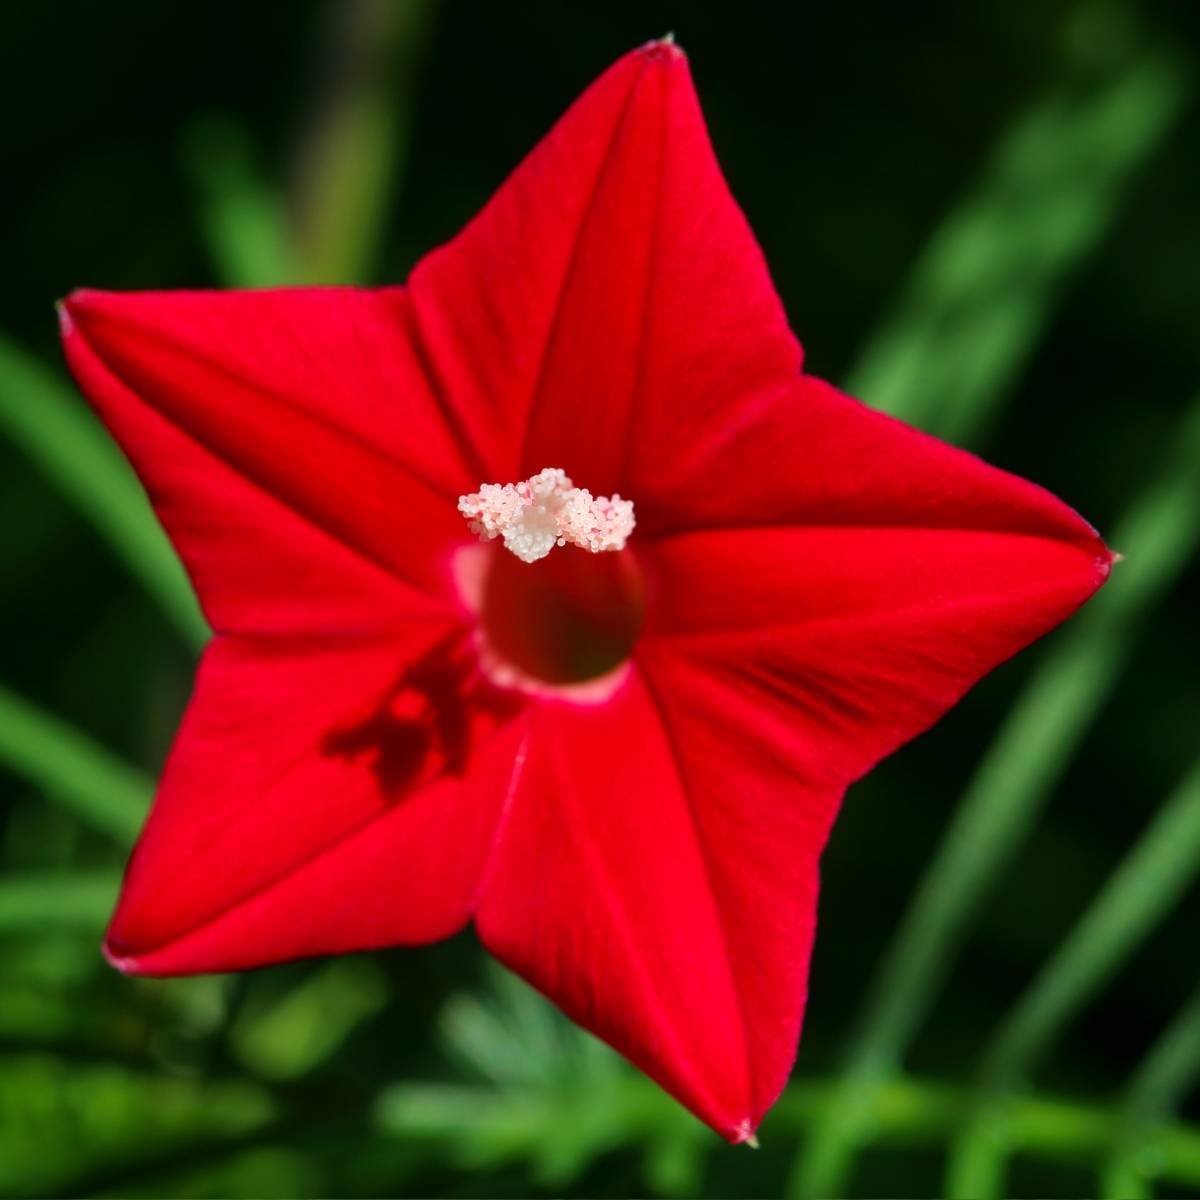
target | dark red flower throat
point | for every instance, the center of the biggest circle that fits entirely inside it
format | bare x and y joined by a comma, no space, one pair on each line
569,618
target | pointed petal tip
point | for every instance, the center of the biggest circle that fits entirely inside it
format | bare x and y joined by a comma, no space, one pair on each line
1106,559
743,1134
71,306
664,49
77,297
116,954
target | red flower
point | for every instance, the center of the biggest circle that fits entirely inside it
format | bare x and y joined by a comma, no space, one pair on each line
621,766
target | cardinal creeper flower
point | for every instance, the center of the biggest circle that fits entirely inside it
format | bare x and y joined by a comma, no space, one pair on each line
440,691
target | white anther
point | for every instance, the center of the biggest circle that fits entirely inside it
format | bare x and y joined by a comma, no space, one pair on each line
546,510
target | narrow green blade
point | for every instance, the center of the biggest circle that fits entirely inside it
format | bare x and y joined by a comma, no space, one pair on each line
354,151
57,432
492,1127
1146,885
1029,755
985,287
243,219
35,903
1158,1087
72,769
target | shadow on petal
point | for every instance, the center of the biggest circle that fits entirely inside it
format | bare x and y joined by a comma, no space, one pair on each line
428,722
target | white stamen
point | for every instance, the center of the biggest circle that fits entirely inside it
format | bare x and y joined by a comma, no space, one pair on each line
544,511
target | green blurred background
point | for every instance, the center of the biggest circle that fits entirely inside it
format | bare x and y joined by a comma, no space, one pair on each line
982,218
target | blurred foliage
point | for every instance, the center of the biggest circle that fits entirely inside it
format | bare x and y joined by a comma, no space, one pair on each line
982,218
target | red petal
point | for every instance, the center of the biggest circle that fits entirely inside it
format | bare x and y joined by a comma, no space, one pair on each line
875,570
600,896
320,798
868,577
806,454
840,646
609,291
763,822
290,445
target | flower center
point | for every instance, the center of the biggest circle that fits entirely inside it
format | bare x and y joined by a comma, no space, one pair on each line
552,620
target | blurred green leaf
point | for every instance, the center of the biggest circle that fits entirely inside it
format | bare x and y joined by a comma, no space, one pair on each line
59,1119
349,168
557,1115
674,1159
512,1035
292,1033
1148,882
489,1127
1158,1086
556,1130
244,221
34,903
72,769
264,1172
58,433
1031,751
559,1097
984,289
357,141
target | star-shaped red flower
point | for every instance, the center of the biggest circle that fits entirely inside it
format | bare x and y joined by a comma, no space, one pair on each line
621,766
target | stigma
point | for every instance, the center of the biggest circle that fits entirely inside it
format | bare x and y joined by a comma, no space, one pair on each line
544,511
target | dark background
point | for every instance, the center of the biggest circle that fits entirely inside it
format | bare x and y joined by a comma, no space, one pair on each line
848,133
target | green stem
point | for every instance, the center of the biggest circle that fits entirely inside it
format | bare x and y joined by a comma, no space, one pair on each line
908,1111
1158,1086
243,219
72,769
1005,796
905,1111
351,159
1150,879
